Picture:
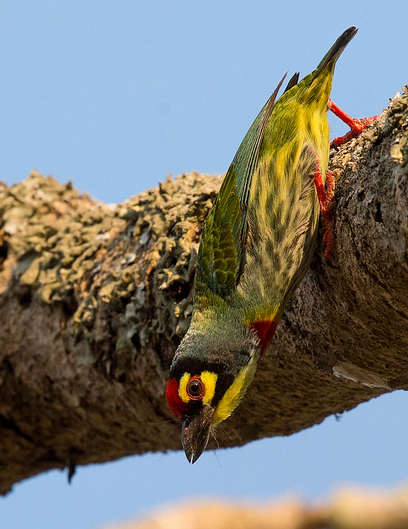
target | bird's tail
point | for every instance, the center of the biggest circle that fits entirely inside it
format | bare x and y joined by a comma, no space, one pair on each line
329,60
316,87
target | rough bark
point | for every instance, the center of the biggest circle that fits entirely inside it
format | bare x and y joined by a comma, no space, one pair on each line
349,508
94,300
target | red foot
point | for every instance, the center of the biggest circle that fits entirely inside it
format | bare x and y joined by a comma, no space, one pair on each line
356,125
325,196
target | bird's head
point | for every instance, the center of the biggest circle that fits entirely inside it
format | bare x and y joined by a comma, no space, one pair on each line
209,375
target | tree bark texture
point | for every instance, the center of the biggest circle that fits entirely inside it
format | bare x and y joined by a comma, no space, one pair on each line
94,299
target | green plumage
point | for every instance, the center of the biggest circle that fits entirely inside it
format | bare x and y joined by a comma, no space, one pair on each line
257,244
260,234
221,258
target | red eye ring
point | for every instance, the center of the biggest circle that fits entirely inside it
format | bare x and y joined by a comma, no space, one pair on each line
195,388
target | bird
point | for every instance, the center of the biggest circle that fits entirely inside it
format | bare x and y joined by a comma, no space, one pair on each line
256,246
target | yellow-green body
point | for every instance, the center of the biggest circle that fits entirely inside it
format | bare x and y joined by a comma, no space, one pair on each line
283,209
257,242
255,250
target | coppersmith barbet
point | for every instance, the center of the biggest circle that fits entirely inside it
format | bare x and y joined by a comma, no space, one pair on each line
257,244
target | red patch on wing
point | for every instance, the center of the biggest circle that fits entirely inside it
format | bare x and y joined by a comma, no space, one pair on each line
264,329
174,402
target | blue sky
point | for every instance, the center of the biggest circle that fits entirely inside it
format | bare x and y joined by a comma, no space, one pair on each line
116,95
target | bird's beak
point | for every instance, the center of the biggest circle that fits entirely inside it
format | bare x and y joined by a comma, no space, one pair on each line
196,432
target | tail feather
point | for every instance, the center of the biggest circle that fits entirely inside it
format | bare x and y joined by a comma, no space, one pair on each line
336,50
293,81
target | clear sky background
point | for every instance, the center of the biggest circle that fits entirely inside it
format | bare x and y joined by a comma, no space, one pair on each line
116,95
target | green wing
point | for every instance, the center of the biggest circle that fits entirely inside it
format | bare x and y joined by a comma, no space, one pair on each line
223,251
221,256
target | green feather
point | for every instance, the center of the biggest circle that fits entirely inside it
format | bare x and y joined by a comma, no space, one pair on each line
221,256
260,234
256,246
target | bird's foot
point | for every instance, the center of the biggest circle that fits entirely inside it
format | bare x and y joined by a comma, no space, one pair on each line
356,125
325,195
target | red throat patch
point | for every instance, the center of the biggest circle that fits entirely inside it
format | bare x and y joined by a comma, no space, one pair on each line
264,329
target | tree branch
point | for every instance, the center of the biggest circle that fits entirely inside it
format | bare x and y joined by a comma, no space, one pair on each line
94,300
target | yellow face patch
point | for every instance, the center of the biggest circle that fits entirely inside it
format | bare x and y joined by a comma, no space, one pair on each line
209,380
231,397
235,392
182,387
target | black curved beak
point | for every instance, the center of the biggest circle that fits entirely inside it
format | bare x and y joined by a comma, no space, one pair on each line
195,432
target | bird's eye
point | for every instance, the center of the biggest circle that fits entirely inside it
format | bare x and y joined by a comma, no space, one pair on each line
195,388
